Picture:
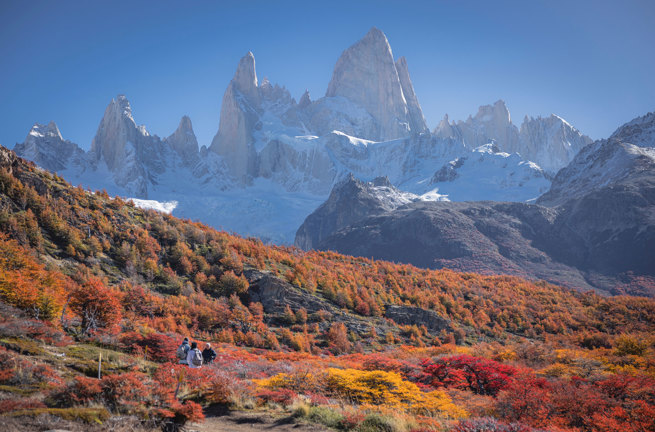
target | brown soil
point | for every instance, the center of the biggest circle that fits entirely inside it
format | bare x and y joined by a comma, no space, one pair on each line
244,421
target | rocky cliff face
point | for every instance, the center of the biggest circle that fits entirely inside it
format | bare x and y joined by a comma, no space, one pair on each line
417,122
549,142
45,146
350,201
239,118
183,141
366,75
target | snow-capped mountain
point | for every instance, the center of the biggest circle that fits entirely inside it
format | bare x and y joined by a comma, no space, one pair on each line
549,142
487,172
623,159
594,228
274,160
351,200
45,146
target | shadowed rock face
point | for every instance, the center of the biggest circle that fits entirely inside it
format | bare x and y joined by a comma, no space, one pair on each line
484,237
407,315
349,201
562,246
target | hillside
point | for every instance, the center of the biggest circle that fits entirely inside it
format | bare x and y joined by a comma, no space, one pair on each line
316,334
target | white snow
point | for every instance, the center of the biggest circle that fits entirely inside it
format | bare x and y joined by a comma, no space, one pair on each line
160,206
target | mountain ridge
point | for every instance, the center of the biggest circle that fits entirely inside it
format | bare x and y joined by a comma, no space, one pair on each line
274,160
594,228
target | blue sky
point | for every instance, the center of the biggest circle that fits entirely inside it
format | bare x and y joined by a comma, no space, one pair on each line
591,62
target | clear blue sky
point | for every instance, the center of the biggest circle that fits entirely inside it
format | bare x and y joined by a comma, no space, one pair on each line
592,62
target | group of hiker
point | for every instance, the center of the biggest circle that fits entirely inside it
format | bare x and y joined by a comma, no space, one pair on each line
190,354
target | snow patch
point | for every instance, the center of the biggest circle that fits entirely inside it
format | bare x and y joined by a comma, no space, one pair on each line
160,206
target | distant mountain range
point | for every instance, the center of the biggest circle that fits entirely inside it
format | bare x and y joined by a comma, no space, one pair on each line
274,160
594,228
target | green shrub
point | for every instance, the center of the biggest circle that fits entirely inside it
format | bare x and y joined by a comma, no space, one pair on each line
325,416
380,423
88,415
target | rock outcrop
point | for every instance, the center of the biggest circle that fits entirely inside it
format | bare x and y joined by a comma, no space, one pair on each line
350,201
408,315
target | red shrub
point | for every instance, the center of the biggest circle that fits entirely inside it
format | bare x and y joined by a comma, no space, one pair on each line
81,390
156,346
189,411
480,375
380,362
9,405
124,390
281,396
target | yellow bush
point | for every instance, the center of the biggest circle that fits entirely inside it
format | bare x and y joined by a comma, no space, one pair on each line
388,389
371,389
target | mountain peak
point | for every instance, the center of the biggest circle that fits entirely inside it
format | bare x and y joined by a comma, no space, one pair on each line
377,36
184,141
245,77
45,146
40,130
416,119
498,113
185,124
366,75
639,131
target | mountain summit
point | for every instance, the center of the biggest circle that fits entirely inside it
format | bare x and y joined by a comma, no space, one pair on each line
366,74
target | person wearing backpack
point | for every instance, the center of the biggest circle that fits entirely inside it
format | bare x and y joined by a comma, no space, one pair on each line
194,357
208,354
182,351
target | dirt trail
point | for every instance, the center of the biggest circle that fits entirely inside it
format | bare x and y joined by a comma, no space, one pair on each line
240,421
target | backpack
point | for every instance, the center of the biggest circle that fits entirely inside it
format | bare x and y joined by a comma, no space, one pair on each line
181,352
197,357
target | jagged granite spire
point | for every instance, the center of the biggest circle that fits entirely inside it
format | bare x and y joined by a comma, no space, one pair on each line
492,122
183,141
116,129
129,151
416,118
305,100
234,140
245,77
366,75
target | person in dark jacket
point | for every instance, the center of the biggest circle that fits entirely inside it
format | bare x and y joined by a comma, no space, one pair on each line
208,354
